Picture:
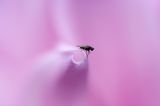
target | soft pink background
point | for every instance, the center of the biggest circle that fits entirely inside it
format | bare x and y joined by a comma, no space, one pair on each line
124,69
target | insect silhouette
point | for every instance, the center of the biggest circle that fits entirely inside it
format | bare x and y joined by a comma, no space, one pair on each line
87,49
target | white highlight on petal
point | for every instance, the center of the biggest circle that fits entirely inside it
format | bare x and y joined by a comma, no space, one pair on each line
79,56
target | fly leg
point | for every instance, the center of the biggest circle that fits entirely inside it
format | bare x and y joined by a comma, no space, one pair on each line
87,53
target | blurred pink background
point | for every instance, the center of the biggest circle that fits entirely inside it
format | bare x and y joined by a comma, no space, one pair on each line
124,68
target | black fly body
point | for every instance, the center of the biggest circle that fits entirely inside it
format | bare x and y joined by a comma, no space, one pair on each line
87,49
